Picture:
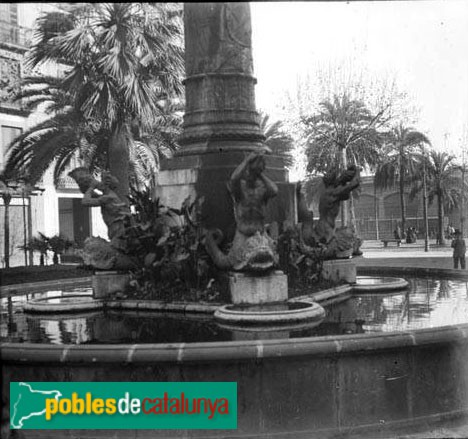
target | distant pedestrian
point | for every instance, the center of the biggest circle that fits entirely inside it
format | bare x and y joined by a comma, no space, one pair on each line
450,232
408,235
459,250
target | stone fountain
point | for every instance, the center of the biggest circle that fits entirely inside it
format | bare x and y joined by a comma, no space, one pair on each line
223,158
362,384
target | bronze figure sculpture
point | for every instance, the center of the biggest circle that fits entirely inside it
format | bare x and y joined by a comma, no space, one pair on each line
253,250
115,211
334,243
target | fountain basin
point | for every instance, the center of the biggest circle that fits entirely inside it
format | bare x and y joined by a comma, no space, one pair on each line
312,387
309,387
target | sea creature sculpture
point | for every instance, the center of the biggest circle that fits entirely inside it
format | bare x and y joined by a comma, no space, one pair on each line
252,250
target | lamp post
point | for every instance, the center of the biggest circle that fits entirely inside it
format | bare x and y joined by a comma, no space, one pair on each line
462,189
462,197
426,222
25,237
33,191
376,212
6,196
7,189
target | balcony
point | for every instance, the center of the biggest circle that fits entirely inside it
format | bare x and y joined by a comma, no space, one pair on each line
14,36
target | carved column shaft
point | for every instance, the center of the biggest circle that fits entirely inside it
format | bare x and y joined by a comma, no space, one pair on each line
220,95
221,123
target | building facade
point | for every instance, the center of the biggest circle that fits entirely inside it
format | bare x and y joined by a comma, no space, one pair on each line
378,212
48,209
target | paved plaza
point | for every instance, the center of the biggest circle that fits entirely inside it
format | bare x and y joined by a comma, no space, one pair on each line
374,254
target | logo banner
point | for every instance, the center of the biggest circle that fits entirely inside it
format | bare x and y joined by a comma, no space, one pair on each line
123,405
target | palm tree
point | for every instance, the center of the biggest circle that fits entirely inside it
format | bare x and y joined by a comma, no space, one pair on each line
398,161
443,184
123,67
277,138
344,131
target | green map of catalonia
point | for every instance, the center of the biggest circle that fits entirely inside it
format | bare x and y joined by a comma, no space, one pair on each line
30,403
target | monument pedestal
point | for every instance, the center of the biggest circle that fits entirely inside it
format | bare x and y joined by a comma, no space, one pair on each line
107,283
338,270
207,175
253,290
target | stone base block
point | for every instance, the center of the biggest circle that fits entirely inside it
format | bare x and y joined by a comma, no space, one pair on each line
258,289
107,283
339,270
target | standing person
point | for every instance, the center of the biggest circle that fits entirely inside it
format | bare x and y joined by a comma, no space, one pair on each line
397,232
408,235
459,250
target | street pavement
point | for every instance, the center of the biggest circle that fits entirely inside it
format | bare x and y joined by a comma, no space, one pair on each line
407,255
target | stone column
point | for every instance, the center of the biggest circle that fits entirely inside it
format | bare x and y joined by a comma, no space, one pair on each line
221,123
220,113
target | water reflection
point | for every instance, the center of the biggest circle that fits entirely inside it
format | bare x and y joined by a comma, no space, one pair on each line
117,327
428,303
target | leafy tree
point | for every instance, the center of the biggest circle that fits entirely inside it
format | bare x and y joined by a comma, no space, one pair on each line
344,131
398,162
443,184
123,67
322,82
277,138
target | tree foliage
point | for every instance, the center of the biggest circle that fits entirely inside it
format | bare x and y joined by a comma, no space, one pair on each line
398,163
343,126
444,183
277,138
120,88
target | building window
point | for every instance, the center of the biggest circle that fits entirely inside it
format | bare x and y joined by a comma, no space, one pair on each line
9,23
10,30
8,134
9,13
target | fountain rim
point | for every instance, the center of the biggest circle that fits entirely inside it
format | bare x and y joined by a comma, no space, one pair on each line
256,350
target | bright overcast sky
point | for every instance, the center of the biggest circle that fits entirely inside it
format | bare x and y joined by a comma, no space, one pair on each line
422,44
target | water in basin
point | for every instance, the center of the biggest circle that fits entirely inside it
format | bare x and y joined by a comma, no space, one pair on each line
428,303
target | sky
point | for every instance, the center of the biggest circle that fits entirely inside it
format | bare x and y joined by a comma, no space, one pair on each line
422,45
